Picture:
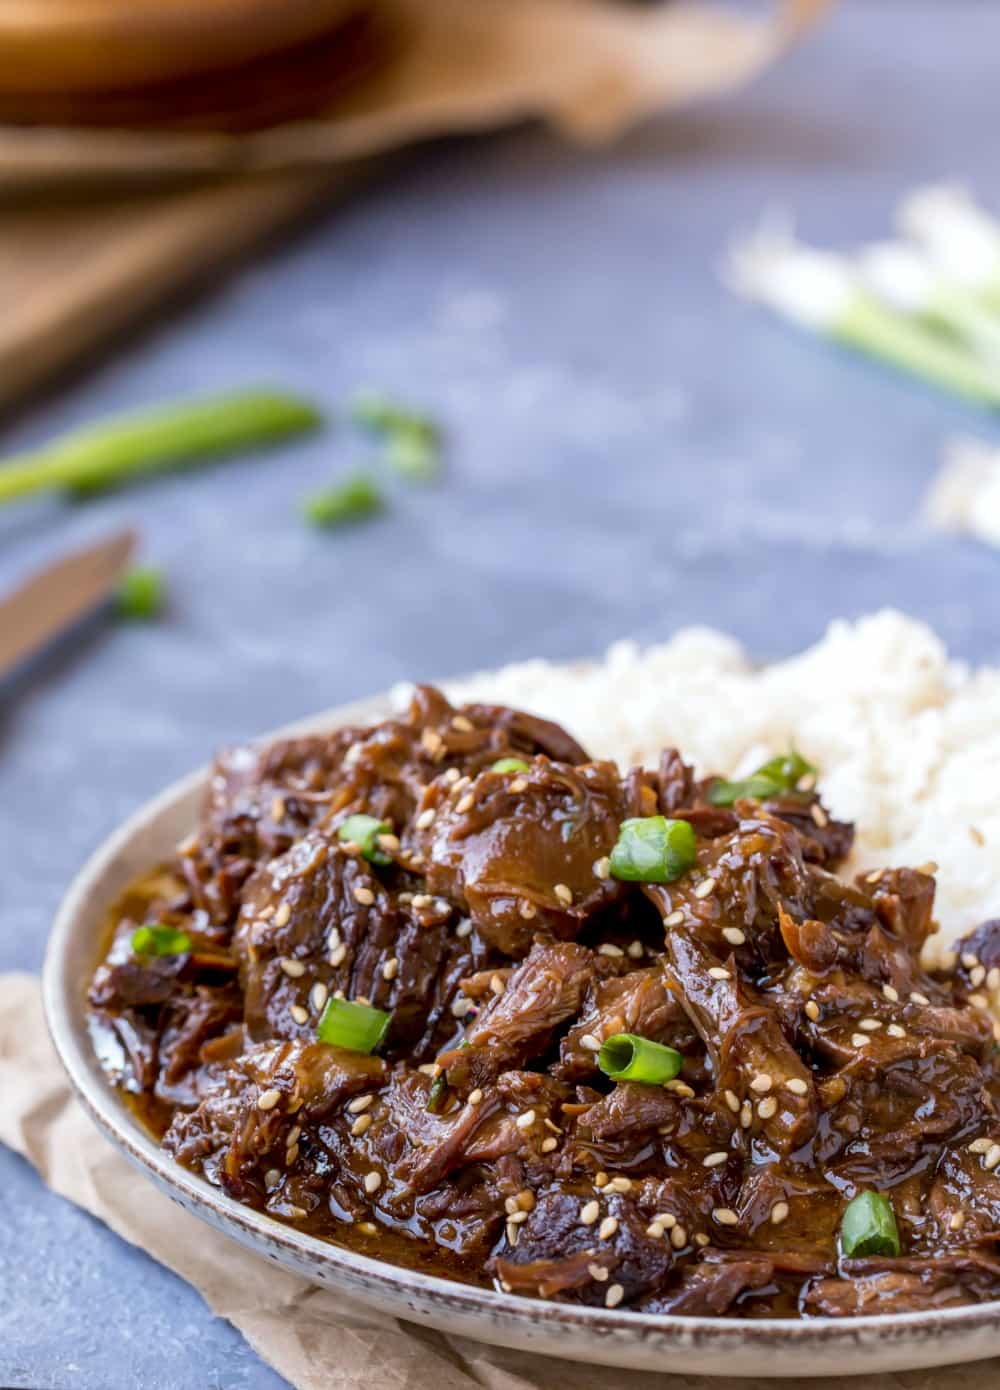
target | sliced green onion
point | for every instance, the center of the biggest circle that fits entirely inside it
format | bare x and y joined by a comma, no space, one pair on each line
510,765
412,441
154,939
437,1092
354,1027
364,831
779,776
652,849
628,1057
868,1226
101,456
141,594
352,500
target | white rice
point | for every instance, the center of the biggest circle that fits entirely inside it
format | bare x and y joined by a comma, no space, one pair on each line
908,742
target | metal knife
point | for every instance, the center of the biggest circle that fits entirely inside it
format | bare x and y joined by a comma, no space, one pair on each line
59,596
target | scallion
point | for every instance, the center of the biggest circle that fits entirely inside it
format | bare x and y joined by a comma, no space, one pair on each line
960,237
779,776
364,832
155,939
628,1057
510,765
141,594
354,1027
437,1092
149,441
412,441
652,849
354,499
868,1226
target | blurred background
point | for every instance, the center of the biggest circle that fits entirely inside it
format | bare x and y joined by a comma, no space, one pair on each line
508,227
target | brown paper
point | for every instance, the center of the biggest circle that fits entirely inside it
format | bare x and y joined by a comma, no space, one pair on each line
312,1336
590,67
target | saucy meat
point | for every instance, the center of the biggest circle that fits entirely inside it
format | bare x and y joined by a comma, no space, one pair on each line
384,992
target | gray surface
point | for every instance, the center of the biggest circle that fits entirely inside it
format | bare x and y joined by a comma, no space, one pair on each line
632,450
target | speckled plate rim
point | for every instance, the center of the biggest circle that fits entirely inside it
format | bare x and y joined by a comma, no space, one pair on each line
733,1347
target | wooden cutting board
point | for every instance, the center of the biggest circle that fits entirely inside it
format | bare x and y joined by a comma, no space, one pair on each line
72,275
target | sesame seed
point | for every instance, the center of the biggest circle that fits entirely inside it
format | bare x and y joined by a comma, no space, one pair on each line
272,1177
635,950
977,975
318,995
387,841
527,910
874,876
980,1146
797,1086
291,1155
466,804
678,1237
614,1296
277,808
673,919
705,888
860,1039
432,741
607,1228
283,915
461,1006
299,1014
525,1120
338,955
266,912
895,1031
296,1213
601,1180
549,1144
713,1160
746,1115
563,893
812,1010
363,895
917,998
819,816
993,977
460,783
957,1221
725,1216
608,948
718,973
602,869
679,1088
512,1233
700,1238
734,936
969,959
767,1107
992,1156
806,782
621,1184
463,725
778,1213
655,1230
518,785
464,928
979,1001
761,1083
333,936
373,1181
294,969
359,1103
426,819
517,1218
390,969
429,1069
666,1219
589,1213
362,1123
891,994
421,900
590,1043
598,1273
267,1100
870,1025
732,1100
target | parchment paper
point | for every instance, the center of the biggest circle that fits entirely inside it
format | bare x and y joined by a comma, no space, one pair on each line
315,1338
590,67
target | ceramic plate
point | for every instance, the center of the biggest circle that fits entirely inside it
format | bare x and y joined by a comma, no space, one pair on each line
708,1346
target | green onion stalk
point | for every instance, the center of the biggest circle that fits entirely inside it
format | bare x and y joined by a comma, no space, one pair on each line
653,849
958,236
122,449
629,1057
823,293
908,281
868,1227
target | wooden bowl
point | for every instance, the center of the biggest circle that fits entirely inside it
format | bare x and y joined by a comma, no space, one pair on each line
74,47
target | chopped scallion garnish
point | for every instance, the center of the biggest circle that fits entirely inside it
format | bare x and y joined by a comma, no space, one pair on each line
354,499
652,849
868,1226
155,939
437,1092
510,765
779,776
141,594
354,1027
412,441
628,1057
364,832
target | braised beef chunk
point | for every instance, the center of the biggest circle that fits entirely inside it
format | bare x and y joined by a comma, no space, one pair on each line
491,938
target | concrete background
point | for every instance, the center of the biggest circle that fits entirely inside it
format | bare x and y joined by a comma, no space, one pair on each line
631,450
